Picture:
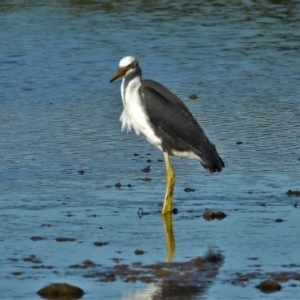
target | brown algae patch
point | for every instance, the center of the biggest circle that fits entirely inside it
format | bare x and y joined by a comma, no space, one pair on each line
192,275
281,278
268,285
61,291
32,258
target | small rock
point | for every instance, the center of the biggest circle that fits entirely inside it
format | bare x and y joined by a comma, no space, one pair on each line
278,220
88,262
139,252
193,96
60,291
175,211
209,215
188,190
147,179
64,239
100,244
81,172
293,193
36,238
239,143
269,286
118,185
220,215
146,169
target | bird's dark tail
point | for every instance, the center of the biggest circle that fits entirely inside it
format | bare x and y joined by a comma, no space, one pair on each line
215,166
212,161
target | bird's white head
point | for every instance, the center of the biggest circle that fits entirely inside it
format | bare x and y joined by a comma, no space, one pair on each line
127,66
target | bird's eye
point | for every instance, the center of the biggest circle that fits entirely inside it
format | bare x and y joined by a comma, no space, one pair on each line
132,66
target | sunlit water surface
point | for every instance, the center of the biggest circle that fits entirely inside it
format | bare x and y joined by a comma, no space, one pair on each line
59,114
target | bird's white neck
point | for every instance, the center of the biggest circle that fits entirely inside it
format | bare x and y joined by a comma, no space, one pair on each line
129,87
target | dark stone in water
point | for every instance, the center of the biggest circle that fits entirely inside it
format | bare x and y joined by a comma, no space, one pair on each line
209,215
220,215
36,238
269,286
147,179
100,244
61,291
118,185
239,143
175,211
146,169
188,190
86,264
139,252
193,96
278,220
81,172
293,193
64,239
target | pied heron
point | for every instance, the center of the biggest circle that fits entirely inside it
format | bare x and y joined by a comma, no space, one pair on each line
151,109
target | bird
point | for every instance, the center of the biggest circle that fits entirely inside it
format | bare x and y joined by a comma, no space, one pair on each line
165,121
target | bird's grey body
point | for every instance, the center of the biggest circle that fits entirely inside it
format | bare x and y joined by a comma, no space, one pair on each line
153,110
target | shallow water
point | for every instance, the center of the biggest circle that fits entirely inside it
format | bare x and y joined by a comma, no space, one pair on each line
59,114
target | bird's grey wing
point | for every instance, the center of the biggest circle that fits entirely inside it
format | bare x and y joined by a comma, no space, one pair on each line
174,123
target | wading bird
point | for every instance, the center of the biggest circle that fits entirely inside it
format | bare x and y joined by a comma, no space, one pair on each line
151,109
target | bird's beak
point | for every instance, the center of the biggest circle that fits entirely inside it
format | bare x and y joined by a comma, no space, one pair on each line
118,74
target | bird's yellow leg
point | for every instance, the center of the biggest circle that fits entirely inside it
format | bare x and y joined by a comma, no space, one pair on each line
167,206
170,240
